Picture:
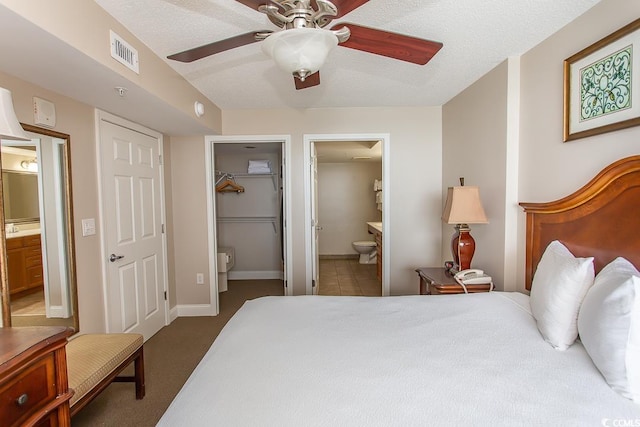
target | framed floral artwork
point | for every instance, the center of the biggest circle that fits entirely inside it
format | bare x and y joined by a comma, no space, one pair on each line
602,85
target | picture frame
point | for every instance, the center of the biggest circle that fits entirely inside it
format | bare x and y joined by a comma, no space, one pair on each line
602,85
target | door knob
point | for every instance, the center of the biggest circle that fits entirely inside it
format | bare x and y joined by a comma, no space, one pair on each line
114,257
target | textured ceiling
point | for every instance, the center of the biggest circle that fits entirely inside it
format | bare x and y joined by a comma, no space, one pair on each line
477,35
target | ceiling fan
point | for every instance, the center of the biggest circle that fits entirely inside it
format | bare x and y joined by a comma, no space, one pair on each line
302,44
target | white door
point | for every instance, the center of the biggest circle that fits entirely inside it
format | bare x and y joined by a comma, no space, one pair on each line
315,257
132,227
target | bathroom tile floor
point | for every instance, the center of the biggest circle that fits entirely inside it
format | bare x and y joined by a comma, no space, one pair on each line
348,277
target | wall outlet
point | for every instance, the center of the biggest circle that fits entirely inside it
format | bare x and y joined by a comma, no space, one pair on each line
199,279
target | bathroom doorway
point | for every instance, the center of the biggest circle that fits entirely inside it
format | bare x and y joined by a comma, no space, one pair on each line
344,187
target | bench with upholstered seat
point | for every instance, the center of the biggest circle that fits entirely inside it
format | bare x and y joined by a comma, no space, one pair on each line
95,360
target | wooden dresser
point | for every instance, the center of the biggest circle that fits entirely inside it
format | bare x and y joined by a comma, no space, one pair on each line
34,389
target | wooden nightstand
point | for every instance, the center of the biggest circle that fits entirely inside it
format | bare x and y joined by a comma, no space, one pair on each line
438,281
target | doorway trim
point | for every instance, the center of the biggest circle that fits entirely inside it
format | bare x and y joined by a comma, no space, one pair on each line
385,138
210,140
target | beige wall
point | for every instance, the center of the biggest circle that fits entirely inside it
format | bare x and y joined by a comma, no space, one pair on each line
85,26
415,199
474,147
415,184
189,210
346,202
547,168
551,169
77,120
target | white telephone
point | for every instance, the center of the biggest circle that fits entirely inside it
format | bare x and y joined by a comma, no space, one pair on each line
472,277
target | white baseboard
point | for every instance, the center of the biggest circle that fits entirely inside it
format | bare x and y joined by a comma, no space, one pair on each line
173,314
255,275
194,310
57,311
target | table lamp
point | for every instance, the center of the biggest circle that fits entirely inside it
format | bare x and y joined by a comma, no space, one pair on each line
463,207
10,128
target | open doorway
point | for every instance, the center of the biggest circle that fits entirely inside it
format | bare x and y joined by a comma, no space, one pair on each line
249,205
344,187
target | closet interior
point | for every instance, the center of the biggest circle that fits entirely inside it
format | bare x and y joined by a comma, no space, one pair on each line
249,232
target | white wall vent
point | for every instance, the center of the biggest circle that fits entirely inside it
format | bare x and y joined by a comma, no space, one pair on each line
122,52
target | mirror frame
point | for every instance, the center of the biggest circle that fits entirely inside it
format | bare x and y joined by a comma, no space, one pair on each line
71,251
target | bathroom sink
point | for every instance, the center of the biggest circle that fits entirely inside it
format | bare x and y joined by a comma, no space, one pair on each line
375,225
23,233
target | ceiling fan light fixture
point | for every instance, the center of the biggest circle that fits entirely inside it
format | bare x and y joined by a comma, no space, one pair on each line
300,51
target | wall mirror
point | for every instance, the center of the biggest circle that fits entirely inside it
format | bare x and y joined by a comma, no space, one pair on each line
38,285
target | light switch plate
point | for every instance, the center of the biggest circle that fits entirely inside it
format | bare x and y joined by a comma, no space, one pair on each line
88,227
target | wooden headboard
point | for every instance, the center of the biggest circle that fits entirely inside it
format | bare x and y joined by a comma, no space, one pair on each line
602,219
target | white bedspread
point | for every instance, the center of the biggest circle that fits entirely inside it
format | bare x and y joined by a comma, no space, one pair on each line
473,359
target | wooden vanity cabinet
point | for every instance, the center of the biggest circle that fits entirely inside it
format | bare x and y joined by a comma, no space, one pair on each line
24,264
378,236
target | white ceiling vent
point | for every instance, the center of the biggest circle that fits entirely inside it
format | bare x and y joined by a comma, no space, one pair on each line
122,52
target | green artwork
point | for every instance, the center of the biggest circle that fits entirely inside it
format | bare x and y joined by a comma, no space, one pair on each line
605,85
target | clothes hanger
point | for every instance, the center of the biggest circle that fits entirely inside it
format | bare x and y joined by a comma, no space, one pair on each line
229,186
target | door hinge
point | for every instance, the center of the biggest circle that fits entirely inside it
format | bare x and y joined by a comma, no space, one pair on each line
165,295
162,229
160,158
313,283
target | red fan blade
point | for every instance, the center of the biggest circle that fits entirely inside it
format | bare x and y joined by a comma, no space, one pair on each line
216,47
310,81
346,6
392,45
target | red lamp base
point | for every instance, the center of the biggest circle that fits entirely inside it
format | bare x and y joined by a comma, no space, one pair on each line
462,247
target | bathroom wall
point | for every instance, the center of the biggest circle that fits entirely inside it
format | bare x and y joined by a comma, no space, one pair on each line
346,202
256,242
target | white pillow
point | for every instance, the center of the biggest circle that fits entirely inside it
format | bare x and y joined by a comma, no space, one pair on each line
609,326
559,285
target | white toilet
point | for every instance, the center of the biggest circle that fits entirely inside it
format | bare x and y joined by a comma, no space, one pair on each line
367,251
226,261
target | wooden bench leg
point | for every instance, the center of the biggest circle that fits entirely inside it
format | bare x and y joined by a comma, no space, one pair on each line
139,374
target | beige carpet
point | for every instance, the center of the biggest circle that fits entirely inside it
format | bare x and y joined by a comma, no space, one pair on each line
170,357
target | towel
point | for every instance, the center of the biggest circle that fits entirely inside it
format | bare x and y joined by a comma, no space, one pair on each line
377,185
379,197
259,166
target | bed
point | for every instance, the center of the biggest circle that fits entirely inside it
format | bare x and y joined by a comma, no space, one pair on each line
476,359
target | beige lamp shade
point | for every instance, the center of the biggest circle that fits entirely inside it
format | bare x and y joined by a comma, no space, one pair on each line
10,127
463,206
